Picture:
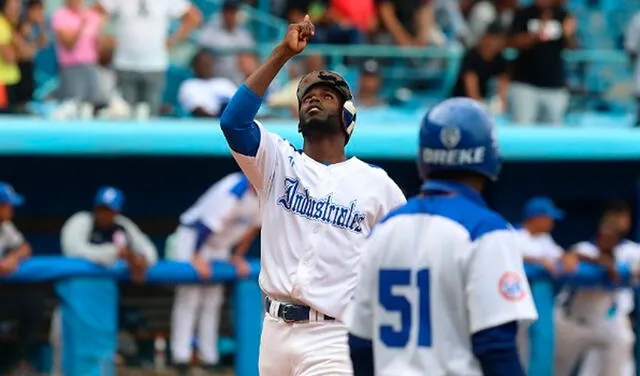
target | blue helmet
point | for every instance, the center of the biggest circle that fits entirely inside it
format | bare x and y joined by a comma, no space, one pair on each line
458,135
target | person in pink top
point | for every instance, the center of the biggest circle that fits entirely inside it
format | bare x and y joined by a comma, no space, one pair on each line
76,30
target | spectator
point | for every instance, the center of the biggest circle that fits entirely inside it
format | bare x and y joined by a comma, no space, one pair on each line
337,22
226,37
540,32
9,71
485,13
30,37
481,64
285,97
407,22
632,46
358,14
142,45
26,309
248,63
205,95
77,29
368,95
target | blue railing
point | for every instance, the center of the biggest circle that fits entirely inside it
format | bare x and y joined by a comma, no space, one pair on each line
385,134
86,288
89,303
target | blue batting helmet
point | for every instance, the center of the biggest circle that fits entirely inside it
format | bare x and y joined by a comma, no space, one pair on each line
458,134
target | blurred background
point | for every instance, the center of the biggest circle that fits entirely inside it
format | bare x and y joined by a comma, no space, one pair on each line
127,94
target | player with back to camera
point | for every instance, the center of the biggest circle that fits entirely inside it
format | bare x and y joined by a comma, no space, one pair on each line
442,288
317,209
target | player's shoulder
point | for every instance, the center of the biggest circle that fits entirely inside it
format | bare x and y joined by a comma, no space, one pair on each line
455,211
79,217
373,171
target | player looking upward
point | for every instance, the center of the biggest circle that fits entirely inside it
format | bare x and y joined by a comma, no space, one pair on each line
317,209
442,287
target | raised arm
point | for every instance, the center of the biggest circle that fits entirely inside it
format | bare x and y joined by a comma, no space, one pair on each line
237,122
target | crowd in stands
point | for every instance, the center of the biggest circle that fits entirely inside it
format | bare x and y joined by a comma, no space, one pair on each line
113,56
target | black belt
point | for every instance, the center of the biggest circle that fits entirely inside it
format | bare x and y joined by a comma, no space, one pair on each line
295,312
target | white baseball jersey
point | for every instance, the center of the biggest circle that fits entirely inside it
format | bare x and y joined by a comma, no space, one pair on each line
315,219
436,271
541,245
229,209
592,304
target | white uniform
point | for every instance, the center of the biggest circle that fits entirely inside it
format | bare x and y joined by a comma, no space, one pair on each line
435,272
627,252
538,246
315,220
229,209
584,320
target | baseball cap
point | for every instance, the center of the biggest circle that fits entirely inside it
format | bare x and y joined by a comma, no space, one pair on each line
541,206
110,197
9,196
328,78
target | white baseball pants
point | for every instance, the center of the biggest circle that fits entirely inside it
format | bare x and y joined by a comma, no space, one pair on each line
592,363
195,305
574,339
317,348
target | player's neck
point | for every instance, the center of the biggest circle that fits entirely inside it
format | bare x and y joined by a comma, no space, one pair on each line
324,150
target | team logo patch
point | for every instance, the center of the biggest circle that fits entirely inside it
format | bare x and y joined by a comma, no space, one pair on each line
450,137
511,286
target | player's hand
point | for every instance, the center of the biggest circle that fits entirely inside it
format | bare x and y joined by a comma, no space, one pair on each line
298,36
202,267
550,266
570,262
137,267
242,266
9,264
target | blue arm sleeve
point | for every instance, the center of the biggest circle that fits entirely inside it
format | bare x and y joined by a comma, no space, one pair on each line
203,234
496,350
242,134
361,356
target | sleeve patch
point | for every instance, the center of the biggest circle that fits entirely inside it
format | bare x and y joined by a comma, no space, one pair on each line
511,287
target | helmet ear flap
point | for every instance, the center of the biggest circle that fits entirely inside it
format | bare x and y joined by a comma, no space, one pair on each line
349,117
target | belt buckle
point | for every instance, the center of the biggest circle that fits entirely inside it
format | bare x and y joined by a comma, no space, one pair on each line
285,313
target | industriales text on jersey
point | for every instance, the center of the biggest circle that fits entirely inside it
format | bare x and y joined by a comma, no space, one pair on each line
298,201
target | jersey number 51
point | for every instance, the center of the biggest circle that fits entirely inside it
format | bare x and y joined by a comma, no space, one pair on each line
390,278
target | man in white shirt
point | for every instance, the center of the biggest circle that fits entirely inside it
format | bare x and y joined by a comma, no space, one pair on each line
205,95
224,31
225,216
627,252
142,44
539,215
582,318
317,206
103,236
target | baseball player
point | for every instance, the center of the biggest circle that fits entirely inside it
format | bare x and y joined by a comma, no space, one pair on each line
626,252
583,316
227,215
441,290
538,247
317,208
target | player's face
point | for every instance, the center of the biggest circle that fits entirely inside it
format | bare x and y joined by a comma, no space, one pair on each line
6,212
607,239
319,111
104,216
623,221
